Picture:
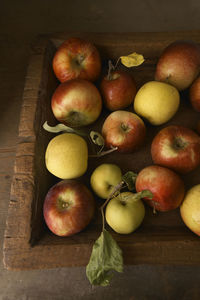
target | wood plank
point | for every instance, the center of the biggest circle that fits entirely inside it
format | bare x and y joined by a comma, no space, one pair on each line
78,255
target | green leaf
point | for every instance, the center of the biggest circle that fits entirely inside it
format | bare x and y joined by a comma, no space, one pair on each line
146,194
129,178
106,256
97,138
137,196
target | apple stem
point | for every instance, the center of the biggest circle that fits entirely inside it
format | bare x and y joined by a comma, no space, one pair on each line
116,189
80,59
103,220
154,210
115,66
111,68
99,154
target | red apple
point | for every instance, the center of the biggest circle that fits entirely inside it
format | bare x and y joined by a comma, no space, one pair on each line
124,130
68,207
179,64
118,90
76,103
194,94
166,186
177,148
77,58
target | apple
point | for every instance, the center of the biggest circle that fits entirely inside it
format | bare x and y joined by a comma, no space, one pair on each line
66,156
77,58
194,94
179,64
68,207
76,103
190,209
104,178
118,90
157,102
166,186
177,148
124,213
124,130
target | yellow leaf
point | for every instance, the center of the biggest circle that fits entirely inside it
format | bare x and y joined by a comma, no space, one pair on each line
132,60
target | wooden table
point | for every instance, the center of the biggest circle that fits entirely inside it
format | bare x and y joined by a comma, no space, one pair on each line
137,282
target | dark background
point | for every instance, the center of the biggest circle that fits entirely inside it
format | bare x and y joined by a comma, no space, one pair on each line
20,23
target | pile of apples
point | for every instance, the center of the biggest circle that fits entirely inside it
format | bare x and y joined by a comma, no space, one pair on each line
69,205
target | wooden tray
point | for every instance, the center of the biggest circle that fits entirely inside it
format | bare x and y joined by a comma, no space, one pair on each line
28,244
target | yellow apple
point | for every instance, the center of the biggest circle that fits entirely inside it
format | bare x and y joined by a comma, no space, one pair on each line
190,209
157,102
67,156
125,213
104,178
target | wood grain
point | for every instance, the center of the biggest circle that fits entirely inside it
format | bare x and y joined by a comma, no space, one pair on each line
28,244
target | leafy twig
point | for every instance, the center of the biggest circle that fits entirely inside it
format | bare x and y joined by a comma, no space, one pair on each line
106,255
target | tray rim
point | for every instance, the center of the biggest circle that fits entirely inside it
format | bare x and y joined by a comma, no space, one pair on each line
22,255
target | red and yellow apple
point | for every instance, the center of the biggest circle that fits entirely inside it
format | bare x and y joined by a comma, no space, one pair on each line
124,130
76,103
77,58
118,90
166,186
68,207
194,94
179,64
190,209
177,148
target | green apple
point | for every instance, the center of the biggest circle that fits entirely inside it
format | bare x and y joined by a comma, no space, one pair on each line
125,213
67,156
104,178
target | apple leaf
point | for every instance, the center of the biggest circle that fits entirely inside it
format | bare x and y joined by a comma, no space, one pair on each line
129,178
143,194
97,138
106,257
132,60
146,194
61,128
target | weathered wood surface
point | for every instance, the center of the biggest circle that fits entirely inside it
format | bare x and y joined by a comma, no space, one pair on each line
28,244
